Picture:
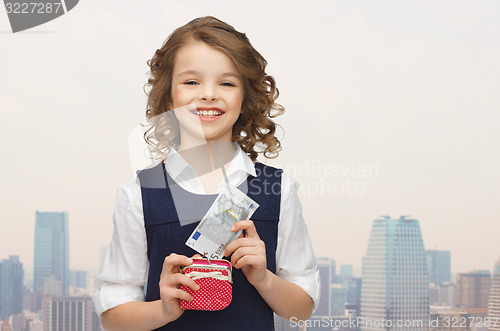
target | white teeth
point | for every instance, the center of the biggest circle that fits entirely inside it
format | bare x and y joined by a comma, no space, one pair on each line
208,113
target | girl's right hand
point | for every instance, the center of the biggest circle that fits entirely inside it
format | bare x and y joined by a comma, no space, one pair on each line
170,280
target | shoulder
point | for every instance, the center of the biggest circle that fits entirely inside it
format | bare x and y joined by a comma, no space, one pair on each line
267,169
152,176
267,173
129,188
129,197
289,184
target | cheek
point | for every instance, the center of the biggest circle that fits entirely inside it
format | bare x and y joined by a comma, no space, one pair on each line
181,94
237,101
179,97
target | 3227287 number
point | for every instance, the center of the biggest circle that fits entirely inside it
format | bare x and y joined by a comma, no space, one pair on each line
33,7
464,322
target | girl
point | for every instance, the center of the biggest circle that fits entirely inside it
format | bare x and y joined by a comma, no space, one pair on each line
223,102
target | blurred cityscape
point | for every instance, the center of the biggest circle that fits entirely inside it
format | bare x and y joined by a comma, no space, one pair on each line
401,286
54,297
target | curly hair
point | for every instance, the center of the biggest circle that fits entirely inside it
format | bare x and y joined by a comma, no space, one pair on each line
254,130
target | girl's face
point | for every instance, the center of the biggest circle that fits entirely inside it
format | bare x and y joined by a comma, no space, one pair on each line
209,79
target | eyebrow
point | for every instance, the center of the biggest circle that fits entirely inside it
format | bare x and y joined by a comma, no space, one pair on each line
194,72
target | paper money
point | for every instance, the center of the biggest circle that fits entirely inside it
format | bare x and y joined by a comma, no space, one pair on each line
213,234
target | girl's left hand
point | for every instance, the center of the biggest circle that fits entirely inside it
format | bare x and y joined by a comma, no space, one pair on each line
249,253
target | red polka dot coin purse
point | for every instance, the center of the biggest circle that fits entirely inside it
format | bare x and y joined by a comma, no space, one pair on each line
215,280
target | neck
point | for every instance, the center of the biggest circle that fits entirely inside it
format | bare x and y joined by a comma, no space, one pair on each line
207,157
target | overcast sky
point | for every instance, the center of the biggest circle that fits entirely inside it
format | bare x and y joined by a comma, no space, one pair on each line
392,108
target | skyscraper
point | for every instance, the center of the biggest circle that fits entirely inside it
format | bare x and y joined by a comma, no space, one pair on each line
494,300
51,250
11,287
325,269
353,288
346,270
338,300
438,266
333,275
394,280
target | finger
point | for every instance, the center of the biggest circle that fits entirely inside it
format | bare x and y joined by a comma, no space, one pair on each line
248,226
174,280
242,242
244,251
196,256
250,260
173,261
175,293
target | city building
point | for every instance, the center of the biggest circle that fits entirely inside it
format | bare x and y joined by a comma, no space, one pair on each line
346,270
78,283
325,269
68,313
78,278
338,300
51,253
26,321
11,287
352,286
444,318
17,322
438,266
354,291
494,299
442,295
29,298
52,286
395,286
35,325
472,292
333,272
4,326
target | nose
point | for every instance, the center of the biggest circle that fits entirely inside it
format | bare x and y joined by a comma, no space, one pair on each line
208,93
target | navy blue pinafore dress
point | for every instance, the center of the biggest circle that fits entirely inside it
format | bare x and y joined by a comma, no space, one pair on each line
168,228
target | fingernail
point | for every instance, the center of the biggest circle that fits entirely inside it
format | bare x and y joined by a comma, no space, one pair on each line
190,260
233,228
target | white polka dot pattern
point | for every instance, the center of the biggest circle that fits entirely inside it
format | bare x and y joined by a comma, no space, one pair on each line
214,294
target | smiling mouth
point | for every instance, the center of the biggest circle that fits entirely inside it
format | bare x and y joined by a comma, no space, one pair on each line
207,112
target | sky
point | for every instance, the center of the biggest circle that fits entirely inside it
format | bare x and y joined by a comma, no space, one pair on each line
391,108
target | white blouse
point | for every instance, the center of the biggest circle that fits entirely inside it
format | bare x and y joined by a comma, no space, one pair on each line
125,268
